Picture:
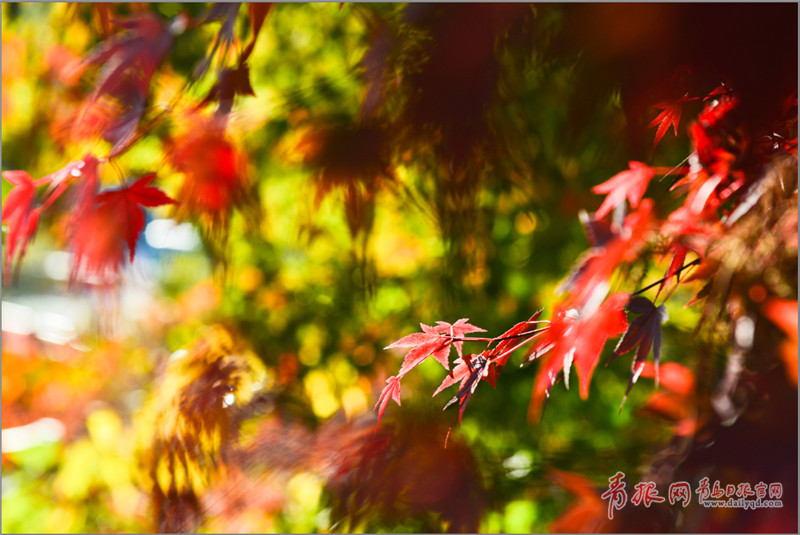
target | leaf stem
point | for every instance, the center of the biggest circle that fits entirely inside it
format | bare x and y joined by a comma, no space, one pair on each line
674,169
498,339
662,279
537,332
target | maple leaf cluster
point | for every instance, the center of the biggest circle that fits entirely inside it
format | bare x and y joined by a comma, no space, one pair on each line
730,184
103,223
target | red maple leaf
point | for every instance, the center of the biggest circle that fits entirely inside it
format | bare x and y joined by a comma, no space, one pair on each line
644,331
20,216
459,373
783,313
116,219
232,81
671,115
434,341
478,368
591,275
257,12
126,206
129,59
502,351
588,513
390,391
215,174
97,247
631,184
471,369
572,338
679,251
675,402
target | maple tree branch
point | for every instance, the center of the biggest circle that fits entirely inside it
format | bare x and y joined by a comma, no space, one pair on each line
662,279
519,345
498,339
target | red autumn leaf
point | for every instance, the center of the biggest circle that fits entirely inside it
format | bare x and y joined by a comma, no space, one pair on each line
471,369
678,256
98,246
215,173
438,348
257,12
589,512
460,372
112,220
347,156
644,331
478,369
225,13
126,206
630,184
19,212
675,403
510,338
459,329
20,216
570,339
231,82
390,391
671,115
673,376
783,313
589,279
434,341
129,59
